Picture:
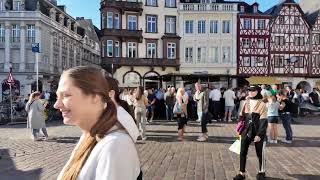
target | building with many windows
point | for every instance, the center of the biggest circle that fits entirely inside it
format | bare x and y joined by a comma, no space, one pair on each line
209,40
63,43
140,41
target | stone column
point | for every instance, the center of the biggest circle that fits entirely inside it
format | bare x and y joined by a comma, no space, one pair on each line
68,42
7,46
51,52
75,54
22,65
60,53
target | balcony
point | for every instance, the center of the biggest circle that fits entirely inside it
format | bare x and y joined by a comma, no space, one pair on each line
150,62
123,5
212,7
124,34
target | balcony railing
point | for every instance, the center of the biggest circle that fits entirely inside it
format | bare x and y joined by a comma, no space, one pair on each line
153,62
123,5
208,7
124,33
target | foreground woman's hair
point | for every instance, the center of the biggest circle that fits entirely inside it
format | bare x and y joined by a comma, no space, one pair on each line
91,81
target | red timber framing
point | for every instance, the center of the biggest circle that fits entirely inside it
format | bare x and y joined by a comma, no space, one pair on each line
314,20
289,47
253,44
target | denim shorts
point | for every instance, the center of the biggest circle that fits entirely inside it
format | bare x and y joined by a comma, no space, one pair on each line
273,119
229,108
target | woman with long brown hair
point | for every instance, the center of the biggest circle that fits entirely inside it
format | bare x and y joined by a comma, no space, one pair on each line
140,105
105,149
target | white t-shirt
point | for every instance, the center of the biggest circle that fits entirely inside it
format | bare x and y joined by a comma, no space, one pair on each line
229,97
215,95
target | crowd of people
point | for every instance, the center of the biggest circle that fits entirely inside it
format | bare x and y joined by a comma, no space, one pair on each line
112,121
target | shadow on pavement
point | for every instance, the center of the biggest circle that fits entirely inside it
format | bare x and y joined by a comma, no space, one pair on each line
305,176
8,170
17,126
188,138
67,140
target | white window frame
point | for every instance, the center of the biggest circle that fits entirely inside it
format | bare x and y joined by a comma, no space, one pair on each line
261,43
188,55
226,26
255,9
132,50
201,26
116,21
213,54
116,49
151,50
152,2
171,50
226,52
109,20
2,33
15,33
132,22
246,61
246,42
242,9
170,3
151,24
171,25
214,26
31,33
261,24
110,48
247,24
188,24
17,5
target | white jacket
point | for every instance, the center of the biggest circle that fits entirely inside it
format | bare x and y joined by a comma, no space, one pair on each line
114,157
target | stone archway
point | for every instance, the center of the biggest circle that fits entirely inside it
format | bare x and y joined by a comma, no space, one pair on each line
151,79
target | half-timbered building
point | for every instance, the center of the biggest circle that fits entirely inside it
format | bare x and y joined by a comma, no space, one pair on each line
314,21
253,41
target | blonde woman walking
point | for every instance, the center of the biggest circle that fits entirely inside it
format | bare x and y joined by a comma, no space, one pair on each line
140,104
36,116
180,112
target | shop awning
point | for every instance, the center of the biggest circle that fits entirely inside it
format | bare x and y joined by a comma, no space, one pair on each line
263,80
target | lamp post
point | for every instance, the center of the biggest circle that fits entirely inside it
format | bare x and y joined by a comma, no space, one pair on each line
11,81
36,50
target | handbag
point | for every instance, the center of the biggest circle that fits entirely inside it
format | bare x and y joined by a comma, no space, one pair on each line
241,121
177,109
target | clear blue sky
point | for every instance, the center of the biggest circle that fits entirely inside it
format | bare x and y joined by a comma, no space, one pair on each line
90,9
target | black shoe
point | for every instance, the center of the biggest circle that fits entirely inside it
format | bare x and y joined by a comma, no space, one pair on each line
239,177
261,176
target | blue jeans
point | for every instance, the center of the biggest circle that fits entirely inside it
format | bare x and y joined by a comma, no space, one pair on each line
286,122
169,112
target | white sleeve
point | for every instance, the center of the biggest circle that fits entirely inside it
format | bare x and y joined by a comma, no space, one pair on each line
118,160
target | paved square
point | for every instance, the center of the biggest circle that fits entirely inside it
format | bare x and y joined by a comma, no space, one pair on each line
163,157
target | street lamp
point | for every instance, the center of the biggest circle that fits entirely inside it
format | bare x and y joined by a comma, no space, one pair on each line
36,50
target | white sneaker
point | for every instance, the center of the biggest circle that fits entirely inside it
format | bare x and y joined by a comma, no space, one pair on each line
144,138
202,139
198,120
275,141
287,141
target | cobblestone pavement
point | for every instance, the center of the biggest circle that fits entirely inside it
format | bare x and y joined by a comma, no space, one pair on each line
163,157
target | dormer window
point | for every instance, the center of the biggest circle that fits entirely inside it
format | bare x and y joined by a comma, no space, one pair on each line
17,5
242,9
255,9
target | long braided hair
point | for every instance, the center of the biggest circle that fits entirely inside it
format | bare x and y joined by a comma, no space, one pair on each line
91,81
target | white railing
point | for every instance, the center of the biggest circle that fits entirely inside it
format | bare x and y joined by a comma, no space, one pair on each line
207,7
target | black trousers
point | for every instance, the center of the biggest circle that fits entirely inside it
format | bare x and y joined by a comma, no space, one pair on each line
182,121
260,151
216,110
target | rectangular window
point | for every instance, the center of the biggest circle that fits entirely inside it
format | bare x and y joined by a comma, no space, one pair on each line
171,25
246,42
214,26
189,55
255,9
31,33
225,26
299,41
281,20
151,3
317,60
247,24
278,61
151,24
317,39
109,48
261,43
170,3
189,27
299,62
151,50
109,20
257,61
226,54
15,33
116,21
202,27
242,9
296,20
199,53
261,24
171,50
279,40
2,33
117,49
132,50
132,22
213,54
246,61
17,5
